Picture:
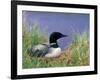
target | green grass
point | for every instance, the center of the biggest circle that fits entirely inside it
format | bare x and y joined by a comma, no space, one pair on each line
80,50
31,38
77,54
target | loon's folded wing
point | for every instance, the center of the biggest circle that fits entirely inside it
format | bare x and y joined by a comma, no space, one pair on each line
40,50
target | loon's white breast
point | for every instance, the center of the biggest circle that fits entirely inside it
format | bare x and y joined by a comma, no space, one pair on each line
54,52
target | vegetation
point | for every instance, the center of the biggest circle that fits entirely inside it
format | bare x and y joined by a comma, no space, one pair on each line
77,54
31,37
79,50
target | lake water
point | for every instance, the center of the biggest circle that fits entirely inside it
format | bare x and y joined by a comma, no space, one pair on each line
66,23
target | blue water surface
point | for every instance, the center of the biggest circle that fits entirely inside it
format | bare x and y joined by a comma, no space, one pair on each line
66,23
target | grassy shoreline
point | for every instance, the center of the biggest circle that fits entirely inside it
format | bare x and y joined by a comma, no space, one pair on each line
77,54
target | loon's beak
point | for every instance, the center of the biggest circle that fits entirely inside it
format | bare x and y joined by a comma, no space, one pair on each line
65,36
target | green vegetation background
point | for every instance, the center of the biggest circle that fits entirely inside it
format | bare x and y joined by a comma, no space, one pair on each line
77,54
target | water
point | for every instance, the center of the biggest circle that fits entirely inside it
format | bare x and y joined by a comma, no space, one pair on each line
66,23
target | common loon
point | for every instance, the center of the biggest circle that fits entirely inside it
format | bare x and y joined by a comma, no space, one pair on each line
48,50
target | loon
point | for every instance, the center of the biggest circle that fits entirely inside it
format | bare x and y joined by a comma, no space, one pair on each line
48,50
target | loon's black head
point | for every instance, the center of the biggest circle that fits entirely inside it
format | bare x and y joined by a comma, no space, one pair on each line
55,36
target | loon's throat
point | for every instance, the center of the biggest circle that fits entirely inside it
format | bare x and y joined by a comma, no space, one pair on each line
53,40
